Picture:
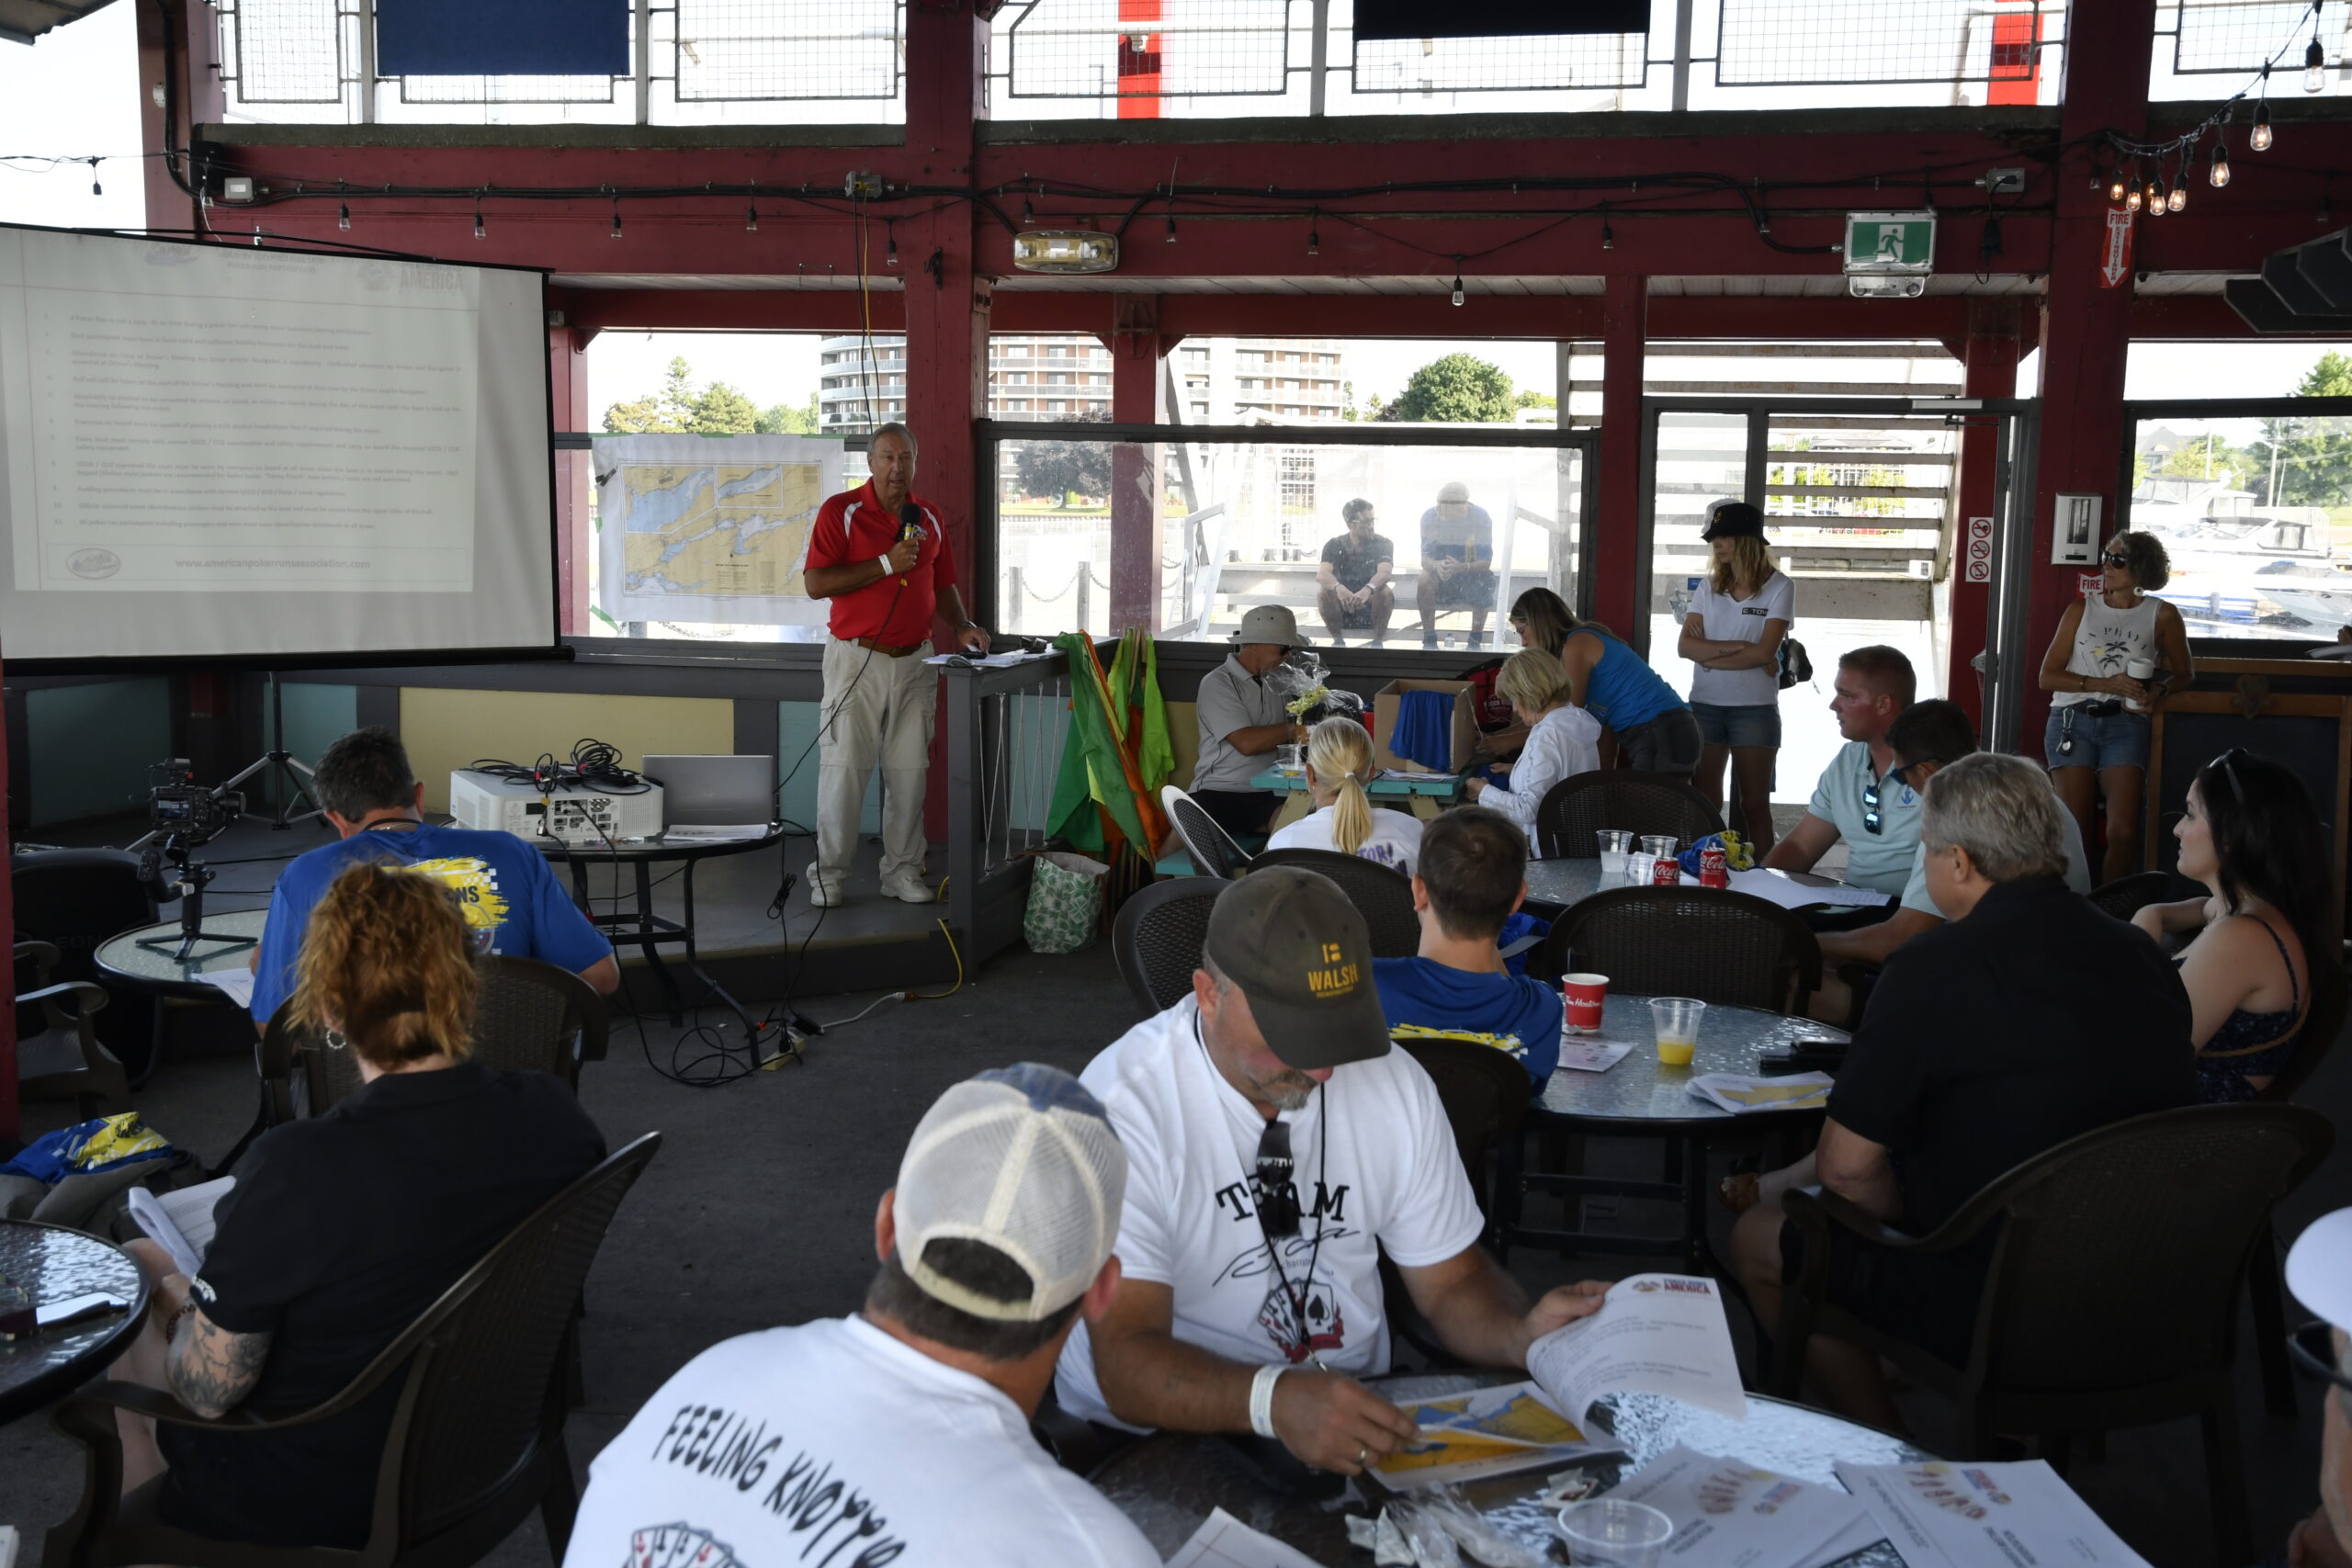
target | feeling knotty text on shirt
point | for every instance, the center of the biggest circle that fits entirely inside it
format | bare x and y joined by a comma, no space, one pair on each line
711,1441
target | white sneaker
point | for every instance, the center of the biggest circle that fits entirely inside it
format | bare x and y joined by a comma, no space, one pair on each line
824,892
911,888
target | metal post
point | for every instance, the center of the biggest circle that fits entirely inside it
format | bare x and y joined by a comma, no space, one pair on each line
1682,9
1319,57
644,56
966,779
366,14
1085,596
1012,616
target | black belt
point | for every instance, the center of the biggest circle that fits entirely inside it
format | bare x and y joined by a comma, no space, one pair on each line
2100,707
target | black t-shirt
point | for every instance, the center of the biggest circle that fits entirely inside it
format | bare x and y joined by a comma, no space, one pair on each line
1354,564
2000,1035
341,1230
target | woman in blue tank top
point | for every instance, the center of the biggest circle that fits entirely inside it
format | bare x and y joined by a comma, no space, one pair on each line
1654,730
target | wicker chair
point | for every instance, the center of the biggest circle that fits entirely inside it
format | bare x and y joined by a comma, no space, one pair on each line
1157,939
58,1053
2127,896
1213,850
1707,943
1578,808
477,1441
2112,1290
1486,1096
2321,1027
1382,896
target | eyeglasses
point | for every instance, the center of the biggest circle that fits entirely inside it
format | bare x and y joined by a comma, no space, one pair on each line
2227,762
2312,1350
1871,820
1901,774
2111,558
1273,1191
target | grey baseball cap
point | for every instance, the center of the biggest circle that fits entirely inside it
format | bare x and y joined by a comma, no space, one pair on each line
1302,954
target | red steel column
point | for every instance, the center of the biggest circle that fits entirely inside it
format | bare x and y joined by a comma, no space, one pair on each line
1616,569
2085,326
1136,353
195,93
1990,360
575,502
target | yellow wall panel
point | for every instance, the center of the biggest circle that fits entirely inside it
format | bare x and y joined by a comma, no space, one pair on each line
1184,740
445,728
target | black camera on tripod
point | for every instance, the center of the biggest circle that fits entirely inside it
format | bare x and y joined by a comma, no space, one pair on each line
179,808
186,816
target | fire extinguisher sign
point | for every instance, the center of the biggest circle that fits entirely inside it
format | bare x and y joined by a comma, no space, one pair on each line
2115,261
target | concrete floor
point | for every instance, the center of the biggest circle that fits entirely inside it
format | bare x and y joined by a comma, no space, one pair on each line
759,1212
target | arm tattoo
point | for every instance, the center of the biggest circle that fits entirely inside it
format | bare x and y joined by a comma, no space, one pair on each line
213,1370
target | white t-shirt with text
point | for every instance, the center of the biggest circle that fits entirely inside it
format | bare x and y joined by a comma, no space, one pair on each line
835,1443
1395,840
1726,619
1388,1178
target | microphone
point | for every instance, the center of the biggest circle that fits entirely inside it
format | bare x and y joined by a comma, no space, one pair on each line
910,527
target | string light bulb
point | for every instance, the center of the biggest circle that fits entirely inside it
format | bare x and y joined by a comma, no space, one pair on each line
95,188
1171,228
2259,138
752,219
2153,197
342,217
2314,59
1313,241
2119,186
1457,281
1608,236
479,234
890,251
1028,214
2217,175
2132,200
2177,196
617,218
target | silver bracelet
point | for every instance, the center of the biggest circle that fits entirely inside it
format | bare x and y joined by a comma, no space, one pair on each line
1261,1400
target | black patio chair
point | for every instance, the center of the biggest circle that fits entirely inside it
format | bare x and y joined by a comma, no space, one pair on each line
1578,808
2127,896
1486,1095
2112,1292
1381,894
477,1438
1158,938
58,1055
1688,941
74,899
1213,850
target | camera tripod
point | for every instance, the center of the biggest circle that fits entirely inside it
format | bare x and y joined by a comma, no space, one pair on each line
280,767
188,885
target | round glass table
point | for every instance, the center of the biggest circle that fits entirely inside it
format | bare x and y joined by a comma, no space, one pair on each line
1168,1482
42,1264
228,941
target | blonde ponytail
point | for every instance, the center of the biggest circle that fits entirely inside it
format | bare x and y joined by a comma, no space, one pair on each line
1341,753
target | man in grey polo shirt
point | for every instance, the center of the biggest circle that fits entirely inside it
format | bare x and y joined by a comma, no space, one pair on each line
1242,721
1857,801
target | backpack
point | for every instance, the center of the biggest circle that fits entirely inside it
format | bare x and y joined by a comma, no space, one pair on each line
1491,711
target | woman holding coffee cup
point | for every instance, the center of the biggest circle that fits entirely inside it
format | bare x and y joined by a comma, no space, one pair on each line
2115,655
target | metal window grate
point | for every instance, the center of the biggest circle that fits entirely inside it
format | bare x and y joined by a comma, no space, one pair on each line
1839,42
1084,49
742,50
2234,37
1496,64
505,89
284,52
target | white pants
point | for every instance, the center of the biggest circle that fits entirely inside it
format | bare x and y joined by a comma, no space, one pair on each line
877,708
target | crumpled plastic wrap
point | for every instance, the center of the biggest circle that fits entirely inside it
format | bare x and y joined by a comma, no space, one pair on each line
1433,1529
1299,680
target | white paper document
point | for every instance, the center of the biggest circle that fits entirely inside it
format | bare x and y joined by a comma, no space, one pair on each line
1740,1093
1224,1542
715,833
181,1223
1591,1055
1416,775
1986,1515
1791,894
1729,1514
988,661
236,981
1660,1334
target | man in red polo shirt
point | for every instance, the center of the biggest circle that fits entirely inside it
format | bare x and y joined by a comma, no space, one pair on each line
881,556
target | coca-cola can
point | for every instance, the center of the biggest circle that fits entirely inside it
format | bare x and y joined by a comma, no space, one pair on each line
1667,872
1714,867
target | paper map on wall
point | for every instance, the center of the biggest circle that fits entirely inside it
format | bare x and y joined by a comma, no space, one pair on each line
694,528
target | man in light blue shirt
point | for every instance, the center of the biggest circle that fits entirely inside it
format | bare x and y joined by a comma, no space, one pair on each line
1877,816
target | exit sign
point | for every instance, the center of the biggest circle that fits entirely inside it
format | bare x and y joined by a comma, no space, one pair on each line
1890,242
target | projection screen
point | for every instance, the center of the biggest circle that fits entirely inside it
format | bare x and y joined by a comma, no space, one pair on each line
216,451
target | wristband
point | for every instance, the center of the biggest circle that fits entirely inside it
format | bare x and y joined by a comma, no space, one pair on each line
1261,1400
884,562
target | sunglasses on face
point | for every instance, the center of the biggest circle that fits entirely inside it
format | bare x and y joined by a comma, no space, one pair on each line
2113,560
1901,774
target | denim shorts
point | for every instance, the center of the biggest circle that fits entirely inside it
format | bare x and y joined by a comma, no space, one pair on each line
1749,724
2118,739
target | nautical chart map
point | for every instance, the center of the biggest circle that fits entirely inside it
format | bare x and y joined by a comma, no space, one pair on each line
701,529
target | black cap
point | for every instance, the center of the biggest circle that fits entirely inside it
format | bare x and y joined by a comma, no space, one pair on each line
1302,954
1732,520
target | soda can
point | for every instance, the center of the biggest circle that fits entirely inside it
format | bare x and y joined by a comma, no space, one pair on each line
1667,872
1714,867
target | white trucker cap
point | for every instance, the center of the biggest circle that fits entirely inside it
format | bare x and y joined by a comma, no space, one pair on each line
2319,1267
1023,1159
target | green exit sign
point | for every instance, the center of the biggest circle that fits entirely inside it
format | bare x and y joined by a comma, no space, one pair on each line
1890,242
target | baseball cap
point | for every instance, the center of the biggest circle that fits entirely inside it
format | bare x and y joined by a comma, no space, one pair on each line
1271,623
1302,954
1453,490
1023,1159
1732,520
2319,1267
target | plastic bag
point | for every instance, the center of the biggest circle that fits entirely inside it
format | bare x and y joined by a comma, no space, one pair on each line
1738,853
1064,909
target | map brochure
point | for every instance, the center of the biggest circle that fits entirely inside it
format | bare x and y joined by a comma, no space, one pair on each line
1729,1514
1986,1515
1491,1432
1662,1334
1742,1092
1591,1055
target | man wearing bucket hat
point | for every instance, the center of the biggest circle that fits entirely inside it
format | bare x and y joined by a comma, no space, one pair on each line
2319,1272
902,1431
1241,720
1457,563
1278,1148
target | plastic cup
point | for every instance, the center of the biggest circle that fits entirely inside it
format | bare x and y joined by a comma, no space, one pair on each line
2139,670
1580,997
1614,1532
1660,844
1639,868
1615,843
1676,1019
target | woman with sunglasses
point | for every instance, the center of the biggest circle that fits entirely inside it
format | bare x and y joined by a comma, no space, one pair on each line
2252,837
2097,741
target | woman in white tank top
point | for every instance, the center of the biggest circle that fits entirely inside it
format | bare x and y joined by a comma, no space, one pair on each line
2097,739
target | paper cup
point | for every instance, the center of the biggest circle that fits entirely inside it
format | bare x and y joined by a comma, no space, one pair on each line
1614,1532
1677,1020
2139,670
1580,999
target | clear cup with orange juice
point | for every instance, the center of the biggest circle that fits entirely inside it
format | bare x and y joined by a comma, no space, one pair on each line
1677,1019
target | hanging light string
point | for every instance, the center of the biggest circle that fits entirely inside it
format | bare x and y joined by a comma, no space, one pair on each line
2138,181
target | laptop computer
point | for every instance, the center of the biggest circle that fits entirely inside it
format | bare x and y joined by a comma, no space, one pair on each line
714,792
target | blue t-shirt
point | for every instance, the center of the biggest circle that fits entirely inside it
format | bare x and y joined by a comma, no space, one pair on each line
1511,1013
1621,691
514,904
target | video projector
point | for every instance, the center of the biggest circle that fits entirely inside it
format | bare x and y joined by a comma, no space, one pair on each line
570,814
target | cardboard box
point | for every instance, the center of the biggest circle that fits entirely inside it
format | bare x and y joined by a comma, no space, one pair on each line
1463,728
